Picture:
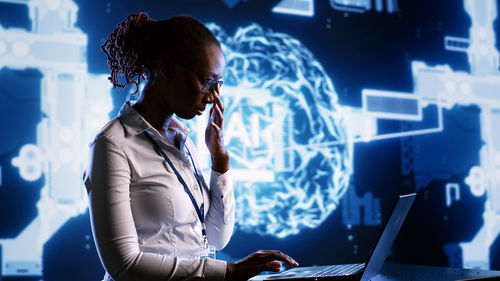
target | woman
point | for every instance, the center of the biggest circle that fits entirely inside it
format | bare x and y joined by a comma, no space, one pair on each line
153,216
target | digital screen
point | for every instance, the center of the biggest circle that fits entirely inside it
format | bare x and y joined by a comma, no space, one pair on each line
332,109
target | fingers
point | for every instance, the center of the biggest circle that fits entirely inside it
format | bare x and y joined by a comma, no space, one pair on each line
215,126
216,96
257,262
277,255
218,101
217,110
284,258
211,115
272,266
218,115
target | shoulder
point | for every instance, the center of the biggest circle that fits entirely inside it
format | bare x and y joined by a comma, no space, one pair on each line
113,132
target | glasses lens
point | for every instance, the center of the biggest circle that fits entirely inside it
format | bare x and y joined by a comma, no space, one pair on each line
210,85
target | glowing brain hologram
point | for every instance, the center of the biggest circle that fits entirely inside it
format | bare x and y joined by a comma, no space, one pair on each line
280,107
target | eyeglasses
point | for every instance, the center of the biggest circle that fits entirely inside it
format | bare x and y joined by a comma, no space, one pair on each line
208,84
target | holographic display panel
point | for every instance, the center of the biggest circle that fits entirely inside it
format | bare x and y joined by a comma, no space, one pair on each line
332,108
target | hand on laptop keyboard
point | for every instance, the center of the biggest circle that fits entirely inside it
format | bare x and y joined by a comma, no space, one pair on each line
263,260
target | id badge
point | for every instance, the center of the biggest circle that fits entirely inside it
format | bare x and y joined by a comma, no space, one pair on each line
208,251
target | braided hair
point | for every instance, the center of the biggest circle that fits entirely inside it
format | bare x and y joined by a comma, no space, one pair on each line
135,46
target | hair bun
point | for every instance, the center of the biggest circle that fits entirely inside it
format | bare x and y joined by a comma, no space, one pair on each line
124,48
137,32
136,44
139,22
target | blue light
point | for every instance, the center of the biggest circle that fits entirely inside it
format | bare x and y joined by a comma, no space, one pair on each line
280,107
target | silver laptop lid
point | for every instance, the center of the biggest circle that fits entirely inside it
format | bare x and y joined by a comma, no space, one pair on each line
388,235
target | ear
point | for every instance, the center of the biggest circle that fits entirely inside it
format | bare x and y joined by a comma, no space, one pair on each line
167,69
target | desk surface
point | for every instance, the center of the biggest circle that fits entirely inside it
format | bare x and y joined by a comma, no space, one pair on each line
394,271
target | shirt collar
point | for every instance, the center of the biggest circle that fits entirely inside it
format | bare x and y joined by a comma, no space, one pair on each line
135,124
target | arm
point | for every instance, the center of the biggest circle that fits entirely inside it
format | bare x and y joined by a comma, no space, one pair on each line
107,181
221,215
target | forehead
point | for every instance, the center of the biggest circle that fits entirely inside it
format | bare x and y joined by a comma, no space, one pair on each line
209,60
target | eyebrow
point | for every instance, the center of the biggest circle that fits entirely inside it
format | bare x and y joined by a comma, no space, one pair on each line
215,76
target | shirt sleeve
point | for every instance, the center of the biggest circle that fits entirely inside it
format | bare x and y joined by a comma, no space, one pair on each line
107,180
221,215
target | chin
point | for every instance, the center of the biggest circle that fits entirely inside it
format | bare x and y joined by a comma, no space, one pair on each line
187,116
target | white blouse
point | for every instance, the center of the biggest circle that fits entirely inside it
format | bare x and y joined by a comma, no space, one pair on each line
144,224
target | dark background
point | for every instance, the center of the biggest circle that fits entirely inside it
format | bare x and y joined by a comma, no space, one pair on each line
367,50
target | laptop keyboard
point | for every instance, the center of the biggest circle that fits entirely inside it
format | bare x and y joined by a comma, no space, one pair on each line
341,269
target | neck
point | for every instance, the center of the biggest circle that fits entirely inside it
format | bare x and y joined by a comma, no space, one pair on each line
152,111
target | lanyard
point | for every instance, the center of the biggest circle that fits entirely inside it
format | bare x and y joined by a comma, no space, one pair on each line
199,210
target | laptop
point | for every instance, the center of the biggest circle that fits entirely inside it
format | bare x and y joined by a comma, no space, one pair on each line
357,271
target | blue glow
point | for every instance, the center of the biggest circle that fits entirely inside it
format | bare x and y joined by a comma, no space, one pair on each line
353,206
452,191
75,105
361,6
295,7
280,107
232,3
29,162
476,181
442,86
391,105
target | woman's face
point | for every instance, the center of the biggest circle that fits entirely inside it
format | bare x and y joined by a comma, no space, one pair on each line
185,95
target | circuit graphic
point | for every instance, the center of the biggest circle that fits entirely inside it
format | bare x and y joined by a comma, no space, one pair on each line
291,143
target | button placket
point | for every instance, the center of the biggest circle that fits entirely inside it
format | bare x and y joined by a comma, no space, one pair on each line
185,165
185,172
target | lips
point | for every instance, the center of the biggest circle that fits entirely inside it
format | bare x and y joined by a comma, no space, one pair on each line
199,111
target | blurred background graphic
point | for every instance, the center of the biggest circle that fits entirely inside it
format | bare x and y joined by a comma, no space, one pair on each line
332,109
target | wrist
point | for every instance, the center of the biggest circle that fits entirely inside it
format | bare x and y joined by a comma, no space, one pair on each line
220,162
229,272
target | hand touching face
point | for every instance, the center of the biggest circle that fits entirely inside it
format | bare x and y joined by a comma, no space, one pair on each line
214,135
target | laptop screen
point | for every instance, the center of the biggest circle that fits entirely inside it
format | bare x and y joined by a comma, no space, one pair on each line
388,235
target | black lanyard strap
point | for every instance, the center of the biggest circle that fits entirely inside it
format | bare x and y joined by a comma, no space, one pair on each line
199,210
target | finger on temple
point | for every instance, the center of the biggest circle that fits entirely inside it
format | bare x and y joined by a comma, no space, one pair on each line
218,114
217,88
218,101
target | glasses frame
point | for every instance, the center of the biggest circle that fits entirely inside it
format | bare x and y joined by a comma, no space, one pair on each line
207,83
